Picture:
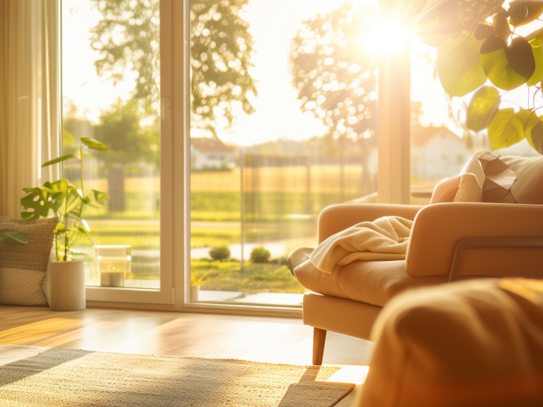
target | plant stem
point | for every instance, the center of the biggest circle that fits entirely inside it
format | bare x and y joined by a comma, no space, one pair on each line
82,173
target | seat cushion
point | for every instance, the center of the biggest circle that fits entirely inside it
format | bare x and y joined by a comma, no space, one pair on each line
469,344
371,282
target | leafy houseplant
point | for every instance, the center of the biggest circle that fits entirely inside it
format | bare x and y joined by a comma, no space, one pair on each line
195,283
67,202
477,42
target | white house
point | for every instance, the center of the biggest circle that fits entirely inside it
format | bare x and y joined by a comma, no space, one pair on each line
211,154
436,153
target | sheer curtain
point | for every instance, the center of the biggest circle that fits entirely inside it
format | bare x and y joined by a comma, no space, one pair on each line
29,97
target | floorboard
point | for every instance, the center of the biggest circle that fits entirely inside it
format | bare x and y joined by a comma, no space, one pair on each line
273,340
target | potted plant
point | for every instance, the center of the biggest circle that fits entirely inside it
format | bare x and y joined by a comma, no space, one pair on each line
195,283
476,41
65,200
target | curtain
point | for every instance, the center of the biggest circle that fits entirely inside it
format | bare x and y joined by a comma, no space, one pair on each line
29,98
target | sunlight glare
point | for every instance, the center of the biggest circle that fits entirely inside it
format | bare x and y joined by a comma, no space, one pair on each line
388,36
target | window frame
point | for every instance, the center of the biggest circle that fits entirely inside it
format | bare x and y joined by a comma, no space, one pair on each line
394,149
166,293
393,168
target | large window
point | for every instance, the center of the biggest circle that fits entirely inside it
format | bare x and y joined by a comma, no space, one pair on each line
111,82
283,124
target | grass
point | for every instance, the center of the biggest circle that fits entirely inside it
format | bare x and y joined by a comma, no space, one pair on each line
254,278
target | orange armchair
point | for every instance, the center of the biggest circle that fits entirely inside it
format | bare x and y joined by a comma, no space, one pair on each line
449,241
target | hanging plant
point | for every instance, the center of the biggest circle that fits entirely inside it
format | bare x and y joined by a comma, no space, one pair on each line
477,42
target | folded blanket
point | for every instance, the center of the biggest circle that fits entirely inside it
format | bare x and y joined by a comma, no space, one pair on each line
383,239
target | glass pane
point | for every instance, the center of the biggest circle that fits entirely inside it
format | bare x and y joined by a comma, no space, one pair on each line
110,79
441,143
284,123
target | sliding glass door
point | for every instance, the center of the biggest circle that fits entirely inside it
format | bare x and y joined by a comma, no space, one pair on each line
283,124
111,83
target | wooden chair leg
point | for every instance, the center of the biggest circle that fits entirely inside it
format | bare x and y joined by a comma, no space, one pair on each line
319,337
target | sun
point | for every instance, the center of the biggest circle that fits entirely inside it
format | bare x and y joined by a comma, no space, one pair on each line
388,36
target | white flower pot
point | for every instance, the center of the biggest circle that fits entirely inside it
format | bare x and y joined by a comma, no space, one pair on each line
67,286
194,290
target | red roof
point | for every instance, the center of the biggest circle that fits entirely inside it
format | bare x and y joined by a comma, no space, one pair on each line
210,145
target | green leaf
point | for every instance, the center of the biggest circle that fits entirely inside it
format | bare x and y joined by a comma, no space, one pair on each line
60,186
458,62
533,131
75,203
94,144
507,67
85,225
507,127
58,160
76,253
99,197
482,107
7,234
524,12
35,199
60,228
501,25
537,50
27,215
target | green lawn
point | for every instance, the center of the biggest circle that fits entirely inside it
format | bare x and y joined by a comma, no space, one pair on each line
254,278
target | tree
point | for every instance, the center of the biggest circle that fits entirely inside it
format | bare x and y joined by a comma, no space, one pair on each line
128,140
334,71
129,143
127,38
335,75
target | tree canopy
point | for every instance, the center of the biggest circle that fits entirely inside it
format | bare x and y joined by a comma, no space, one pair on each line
127,38
335,72
129,142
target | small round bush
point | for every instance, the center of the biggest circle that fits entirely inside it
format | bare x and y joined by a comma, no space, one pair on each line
220,253
280,260
260,255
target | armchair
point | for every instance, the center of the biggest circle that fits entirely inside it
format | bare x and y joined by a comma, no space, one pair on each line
449,241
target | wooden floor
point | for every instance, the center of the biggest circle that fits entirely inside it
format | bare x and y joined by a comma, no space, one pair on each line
274,340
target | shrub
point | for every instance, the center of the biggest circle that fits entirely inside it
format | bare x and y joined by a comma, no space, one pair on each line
260,255
283,260
220,253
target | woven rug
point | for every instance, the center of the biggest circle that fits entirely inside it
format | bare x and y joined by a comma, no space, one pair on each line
32,376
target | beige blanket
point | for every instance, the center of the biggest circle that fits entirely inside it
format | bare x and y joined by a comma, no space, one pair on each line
383,239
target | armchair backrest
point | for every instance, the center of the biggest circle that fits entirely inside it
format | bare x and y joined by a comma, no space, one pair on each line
438,228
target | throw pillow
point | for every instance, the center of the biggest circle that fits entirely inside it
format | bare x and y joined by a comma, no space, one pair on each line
23,266
462,188
499,179
529,186
508,179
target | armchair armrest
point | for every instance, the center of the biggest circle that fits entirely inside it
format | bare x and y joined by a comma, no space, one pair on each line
439,228
336,218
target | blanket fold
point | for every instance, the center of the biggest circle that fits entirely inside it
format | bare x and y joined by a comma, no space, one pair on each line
383,239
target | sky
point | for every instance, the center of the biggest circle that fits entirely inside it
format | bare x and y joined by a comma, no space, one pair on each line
272,24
